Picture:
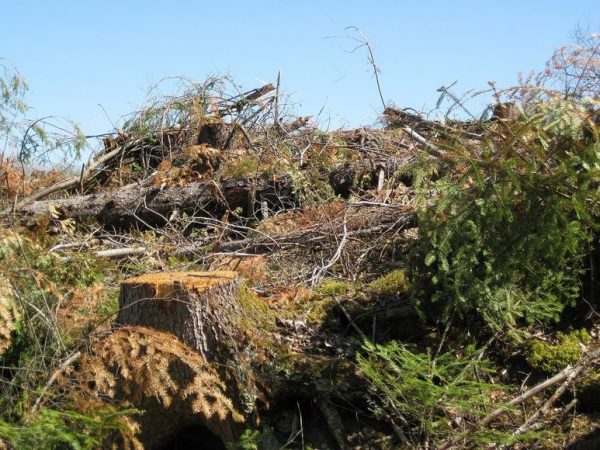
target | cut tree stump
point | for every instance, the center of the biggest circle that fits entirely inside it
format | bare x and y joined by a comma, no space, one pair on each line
235,334
199,308
199,351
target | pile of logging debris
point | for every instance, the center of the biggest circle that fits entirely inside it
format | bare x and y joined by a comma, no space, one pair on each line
223,274
268,209
225,168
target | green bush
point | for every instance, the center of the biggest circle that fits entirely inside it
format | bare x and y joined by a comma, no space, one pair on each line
254,440
55,429
42,284
504,241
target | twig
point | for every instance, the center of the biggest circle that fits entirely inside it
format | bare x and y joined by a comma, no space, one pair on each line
312,235
81,179
397,430
352,323
364,42
530,423
276,101
432,149
561,376
66,363
334,423
318,273
120,252
445,90
70,245
561,416
380,179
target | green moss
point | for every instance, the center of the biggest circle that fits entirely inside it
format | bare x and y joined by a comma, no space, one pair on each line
335,287
554,357
244,166
320,303
320,311
393,283
256,312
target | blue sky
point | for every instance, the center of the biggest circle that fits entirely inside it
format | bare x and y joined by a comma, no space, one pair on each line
79,54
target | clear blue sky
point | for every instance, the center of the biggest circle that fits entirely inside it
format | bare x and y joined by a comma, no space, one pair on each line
78,54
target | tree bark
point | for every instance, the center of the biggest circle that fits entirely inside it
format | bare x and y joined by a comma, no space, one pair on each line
152,206
202,310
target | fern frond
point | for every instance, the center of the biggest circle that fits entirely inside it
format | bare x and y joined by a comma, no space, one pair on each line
8,314
140,360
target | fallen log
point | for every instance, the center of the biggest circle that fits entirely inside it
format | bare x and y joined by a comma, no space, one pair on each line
149,206
153,206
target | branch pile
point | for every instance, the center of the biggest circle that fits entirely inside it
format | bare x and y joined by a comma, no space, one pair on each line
314,232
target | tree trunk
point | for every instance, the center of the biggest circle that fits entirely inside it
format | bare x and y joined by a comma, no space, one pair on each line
200,308
152,206
202,311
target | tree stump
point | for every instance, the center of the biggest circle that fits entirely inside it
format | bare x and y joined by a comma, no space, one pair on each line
208,334
202,310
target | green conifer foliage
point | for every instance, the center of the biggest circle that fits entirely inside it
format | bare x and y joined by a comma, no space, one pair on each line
504,240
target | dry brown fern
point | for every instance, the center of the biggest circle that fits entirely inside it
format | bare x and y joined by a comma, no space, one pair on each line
79,308
138,362
12,181
8,314
128,435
